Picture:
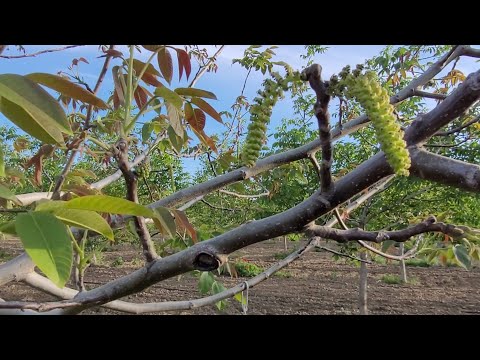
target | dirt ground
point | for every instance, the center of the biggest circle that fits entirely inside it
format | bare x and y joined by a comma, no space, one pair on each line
314,284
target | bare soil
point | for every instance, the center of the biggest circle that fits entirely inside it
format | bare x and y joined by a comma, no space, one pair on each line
314,284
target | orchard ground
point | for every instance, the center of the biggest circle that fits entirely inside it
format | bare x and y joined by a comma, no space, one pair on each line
314,284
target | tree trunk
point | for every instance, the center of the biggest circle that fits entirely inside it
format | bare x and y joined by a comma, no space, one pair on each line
362,291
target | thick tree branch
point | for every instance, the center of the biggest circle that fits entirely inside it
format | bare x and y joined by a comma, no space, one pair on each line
456,173
314,76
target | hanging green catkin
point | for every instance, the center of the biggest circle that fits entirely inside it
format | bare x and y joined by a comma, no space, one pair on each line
375,100
260,114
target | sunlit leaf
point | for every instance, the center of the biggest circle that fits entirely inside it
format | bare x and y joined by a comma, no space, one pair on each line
195,117
27,123
47,242
461,255
174,118
182,222
170,96
202,104
174,139
205,282
195,93
166,220
108,204
67,88
139,65
5,193
34,100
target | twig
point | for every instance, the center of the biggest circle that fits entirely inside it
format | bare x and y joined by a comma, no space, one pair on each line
457,129
202,71
343,254
426,94
217,207
38,53
316,165
244,196
354,234
408,255
211,165
13,211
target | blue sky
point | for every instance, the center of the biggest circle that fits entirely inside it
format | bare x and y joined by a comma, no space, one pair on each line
226,83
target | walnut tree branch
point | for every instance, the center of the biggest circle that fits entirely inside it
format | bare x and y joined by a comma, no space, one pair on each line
457,129
354,234
131,182
38,52
313,74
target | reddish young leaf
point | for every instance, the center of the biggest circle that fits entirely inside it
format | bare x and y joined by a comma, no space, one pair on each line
81,190
151,79
152,48
166,64
207,141
37,162
116,101
182,223
111,52
139,65
195,117
183,63
140,96
202,104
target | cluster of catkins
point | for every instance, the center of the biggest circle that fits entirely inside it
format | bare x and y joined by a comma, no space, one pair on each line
143,169
366,89
261,112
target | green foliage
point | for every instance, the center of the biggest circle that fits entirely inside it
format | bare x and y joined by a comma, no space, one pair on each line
48,243
392,279
117,262
83,219
32,109
247,269
417,262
